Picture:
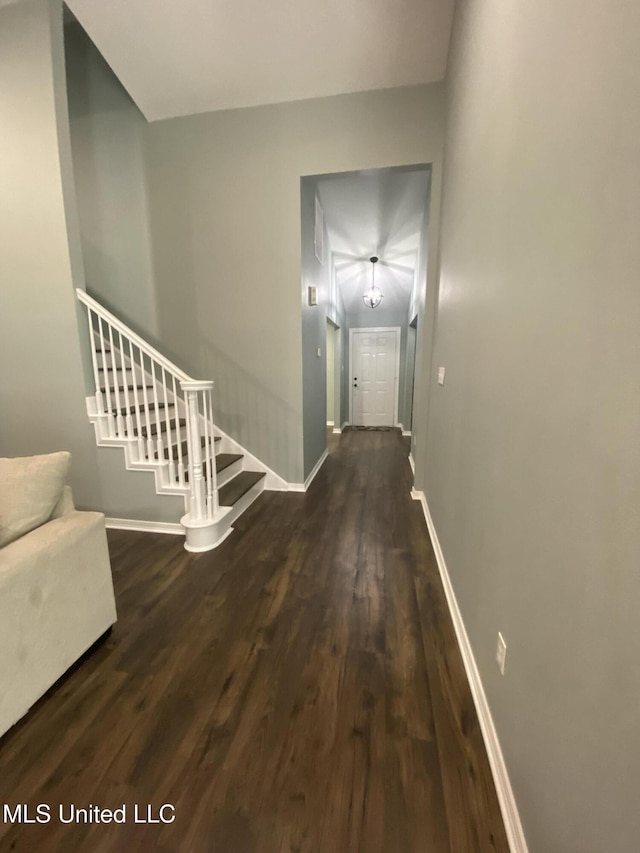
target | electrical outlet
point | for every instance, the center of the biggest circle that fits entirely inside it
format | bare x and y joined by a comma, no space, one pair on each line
441,375
501,653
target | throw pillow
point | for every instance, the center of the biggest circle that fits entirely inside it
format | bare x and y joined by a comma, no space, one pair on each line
30,487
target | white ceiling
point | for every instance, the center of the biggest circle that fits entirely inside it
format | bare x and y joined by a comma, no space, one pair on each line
199,55
375,213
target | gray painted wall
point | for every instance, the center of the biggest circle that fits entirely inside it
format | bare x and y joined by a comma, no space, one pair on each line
43,353
423,310
533,443
42,389
331,372
408,378
315,273
224,194
107,135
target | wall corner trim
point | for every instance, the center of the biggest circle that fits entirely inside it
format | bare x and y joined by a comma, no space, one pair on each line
315,470
174,529
413,468
506,798
302,487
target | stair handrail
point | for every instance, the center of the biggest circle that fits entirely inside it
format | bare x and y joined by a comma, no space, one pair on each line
200,482
139,342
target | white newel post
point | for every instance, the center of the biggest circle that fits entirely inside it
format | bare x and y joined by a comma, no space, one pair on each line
197,481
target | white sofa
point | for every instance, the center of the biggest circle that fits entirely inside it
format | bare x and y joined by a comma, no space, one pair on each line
56,590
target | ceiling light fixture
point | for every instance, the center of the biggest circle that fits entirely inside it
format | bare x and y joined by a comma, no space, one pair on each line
373,297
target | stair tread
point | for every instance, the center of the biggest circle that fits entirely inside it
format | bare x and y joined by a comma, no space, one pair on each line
185,449
163,427
184,446
232,491
129,388
224,460
132,409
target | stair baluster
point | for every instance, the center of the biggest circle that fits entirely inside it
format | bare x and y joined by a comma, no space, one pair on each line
94,364
111,424
136,402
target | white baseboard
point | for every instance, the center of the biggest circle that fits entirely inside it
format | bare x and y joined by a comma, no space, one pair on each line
302,487
413,465
144,526
508,805
330,423
337,431
407,432
201,549
315,470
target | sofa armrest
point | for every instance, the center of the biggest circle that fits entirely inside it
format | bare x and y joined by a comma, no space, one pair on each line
56,600
65,504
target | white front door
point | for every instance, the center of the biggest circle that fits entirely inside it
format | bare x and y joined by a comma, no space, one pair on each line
374,376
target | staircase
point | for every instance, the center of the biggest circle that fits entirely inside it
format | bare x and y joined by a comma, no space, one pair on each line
163,420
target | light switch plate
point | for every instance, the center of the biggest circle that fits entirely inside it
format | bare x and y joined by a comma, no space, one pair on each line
441,376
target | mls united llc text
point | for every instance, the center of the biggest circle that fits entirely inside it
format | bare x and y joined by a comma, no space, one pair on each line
44,813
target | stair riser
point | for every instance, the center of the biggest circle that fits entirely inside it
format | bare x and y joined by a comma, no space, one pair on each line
203,539
229,472
110,374
152,396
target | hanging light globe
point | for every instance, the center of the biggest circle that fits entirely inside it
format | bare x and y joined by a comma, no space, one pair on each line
373,296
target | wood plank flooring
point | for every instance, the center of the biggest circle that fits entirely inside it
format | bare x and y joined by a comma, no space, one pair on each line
298,689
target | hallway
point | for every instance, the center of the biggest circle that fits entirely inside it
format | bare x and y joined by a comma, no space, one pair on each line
297,689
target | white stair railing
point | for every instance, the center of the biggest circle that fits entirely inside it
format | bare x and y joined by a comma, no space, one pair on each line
143,399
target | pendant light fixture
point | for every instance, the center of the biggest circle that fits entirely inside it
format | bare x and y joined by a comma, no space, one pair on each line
373,297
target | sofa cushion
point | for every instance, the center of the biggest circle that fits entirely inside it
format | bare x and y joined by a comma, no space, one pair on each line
30,488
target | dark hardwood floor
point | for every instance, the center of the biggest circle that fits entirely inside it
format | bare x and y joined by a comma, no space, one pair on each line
297,689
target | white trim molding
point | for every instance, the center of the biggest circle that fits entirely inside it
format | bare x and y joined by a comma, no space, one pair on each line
315,470
302,487
506,798
144,526
330,423
413,466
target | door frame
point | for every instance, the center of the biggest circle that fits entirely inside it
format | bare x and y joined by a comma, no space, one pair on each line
396,380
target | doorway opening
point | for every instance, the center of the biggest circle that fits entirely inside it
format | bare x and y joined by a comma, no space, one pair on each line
348,218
